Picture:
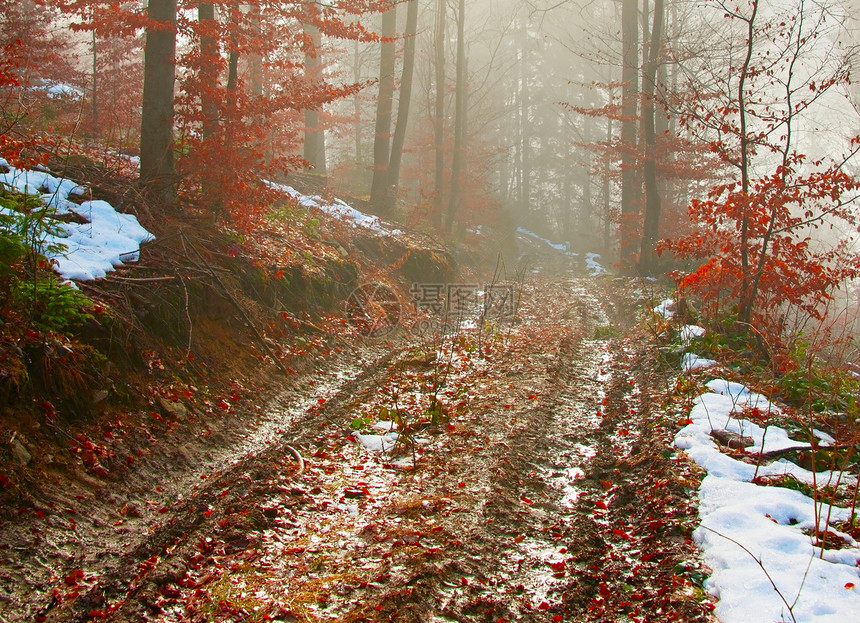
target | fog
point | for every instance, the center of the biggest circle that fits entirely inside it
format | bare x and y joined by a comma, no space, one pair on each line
543,117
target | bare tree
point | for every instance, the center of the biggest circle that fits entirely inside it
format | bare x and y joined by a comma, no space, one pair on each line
439,109
382,139
651,226
459,119
629,97
404,102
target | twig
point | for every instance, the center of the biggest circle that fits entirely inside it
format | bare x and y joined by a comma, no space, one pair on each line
299,459
238,307
141,279
759,563
773,453
187,312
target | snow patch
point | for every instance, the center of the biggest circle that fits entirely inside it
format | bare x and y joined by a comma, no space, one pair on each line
691,362
743,523
690,332
93,249
339,209
594,267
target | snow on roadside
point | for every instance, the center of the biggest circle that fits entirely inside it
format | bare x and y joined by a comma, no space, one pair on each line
691,362
562,248
666,309
755,538
108,239
595,268
337,208
690,332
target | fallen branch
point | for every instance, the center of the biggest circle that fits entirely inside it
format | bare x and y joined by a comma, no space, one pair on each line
141,279
775,453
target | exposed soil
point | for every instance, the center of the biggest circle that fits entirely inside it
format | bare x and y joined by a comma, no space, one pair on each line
533,481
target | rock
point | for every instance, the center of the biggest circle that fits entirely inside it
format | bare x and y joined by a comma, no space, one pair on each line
176,409
100,395
731,439
20,453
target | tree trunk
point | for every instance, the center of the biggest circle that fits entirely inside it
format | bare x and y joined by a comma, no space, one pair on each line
233,60
607,195
748,301
525,179
629,97
314,147
209,59
651,226
157,172
208,68
95,108
459,120
439,111
255,62
382,139
403,104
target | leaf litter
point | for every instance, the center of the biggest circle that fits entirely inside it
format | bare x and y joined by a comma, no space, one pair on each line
520,487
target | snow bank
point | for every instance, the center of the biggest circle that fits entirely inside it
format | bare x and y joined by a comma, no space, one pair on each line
690,332
743,523
339,209
108,239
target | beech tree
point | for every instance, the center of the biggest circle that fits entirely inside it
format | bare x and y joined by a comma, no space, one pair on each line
440,62
37,77
404,102
651,225
157,170
384,105
454,198
760,232
629,111
314,144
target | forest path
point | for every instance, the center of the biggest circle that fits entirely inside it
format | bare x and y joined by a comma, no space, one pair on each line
549,495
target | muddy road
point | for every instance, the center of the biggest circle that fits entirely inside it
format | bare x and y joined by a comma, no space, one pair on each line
519,472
